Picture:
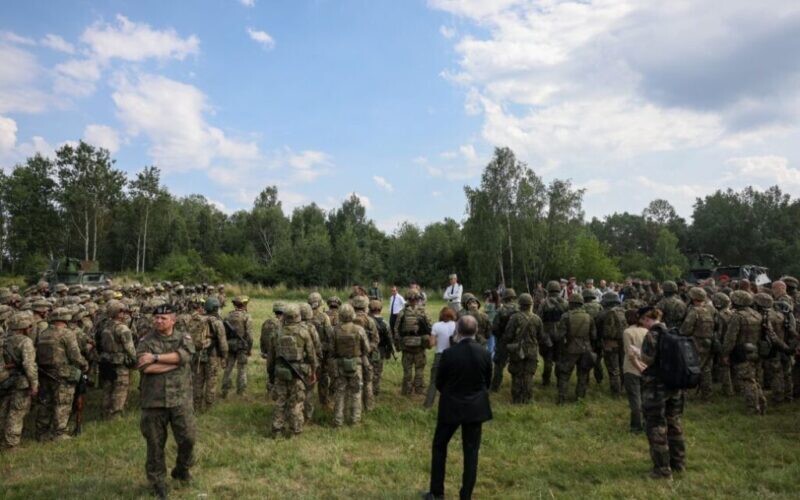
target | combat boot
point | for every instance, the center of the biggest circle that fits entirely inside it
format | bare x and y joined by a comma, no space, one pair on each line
181,475
160,490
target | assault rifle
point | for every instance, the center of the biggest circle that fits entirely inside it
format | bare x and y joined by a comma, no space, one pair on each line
79,402
294,371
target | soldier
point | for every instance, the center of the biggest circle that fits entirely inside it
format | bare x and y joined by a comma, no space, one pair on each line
19,373
306,315
783,344
593,307
211,351
292,361
165,356
723,315
471,306
577,333
412,332
507,310
240,345
671,305
740,347
334,303
550,310
60,365
362,319
662,407
117,356
610,324
221,297
699,324
348,347
61,293
269,330
41,308
523,333
385,348
325,331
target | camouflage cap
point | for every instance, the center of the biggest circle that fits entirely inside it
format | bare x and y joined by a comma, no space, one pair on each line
314,299
763,300
60,314
278,307
553,287
741,298
20,321
576,298
697,293
346,313
305,312
525,299
360,303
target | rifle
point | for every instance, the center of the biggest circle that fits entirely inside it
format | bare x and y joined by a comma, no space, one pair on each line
79,402
233,334
294,371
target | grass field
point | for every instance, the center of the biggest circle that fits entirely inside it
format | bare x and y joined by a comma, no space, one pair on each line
536,451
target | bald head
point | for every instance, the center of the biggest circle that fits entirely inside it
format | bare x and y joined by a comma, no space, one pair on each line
467,326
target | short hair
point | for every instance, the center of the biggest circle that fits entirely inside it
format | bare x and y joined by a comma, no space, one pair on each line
447,314
654,314
467,326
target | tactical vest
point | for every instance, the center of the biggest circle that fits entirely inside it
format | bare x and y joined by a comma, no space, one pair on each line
409,325
552,309
199,328
614,324
347,342
5,359
749,335
524,343
579,332
238,320
287,345
50,351
704,324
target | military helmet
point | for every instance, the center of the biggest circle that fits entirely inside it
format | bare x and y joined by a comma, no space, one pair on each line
180,289
334,302
375,305
741,298
576,298
305,312
763,300
220,287
292,313
588,294
360,303
40,305
413,295
61,287
346,313
159,287
5,311
75,289
108,295
114,307
20,321
525,299
314,299
61,314
79,314
610,297
697,293
241,300
211,305
509,294
465,298
553,286
720,300
791,282
669,287
278,307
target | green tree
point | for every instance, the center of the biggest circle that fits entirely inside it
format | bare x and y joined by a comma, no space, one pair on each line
667,261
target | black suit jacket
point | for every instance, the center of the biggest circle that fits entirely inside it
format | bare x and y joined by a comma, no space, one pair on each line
463,377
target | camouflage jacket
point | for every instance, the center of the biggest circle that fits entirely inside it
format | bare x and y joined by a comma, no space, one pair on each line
170,389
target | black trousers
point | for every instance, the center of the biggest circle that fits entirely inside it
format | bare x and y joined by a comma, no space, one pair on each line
392,321
471,442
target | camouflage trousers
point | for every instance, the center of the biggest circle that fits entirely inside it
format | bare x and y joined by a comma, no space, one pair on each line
54,408
289,397
549,358
781,383
204,383
724,375
324,380
347,399
308,401
663,411
522,372
611,360
153,425
377,375
413,372
367,389
115,392
566,365
706,372
500,362
751,389
13,409
236,360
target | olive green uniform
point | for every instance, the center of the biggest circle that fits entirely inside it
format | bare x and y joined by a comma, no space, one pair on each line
19,355
211,347
550,310
741,339
577,333
699,324
412,331
523,334
349,345
239,347
117,354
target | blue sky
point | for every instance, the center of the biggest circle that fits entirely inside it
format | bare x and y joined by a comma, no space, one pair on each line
402,102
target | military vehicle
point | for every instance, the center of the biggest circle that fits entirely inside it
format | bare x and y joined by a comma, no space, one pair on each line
72,271
705,265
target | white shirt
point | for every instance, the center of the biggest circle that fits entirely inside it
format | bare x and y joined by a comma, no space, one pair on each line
396,303
442,331
453,293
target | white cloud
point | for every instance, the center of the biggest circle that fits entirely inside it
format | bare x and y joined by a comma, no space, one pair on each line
772,168
57,43
262,38
447,32
11,37
248,3
172,115
463,163
363,199
102,136
19,77
76,77
132,41
476,9
383,183
8,134
595,186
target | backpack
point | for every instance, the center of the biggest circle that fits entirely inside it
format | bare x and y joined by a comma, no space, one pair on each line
614,323
677,364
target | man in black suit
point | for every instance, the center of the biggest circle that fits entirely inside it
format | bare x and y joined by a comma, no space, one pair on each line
463,378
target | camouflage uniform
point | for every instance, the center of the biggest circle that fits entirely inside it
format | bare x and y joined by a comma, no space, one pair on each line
239,346
372,355
211,348
610,324
501,319
721,320
741,340
166,400
382,353
269,330
577,333
784,305
348,346
60,365
292,347
117,354
591,306
550,310
783,343
18,354
306,315
672,307
523,334
322,323
699,324
412,333
663,412
471,306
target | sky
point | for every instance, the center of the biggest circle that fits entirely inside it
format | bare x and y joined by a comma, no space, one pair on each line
403,102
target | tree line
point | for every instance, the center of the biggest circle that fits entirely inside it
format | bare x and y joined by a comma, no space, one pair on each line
517,230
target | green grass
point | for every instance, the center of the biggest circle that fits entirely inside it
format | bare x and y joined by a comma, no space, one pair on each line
536,451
